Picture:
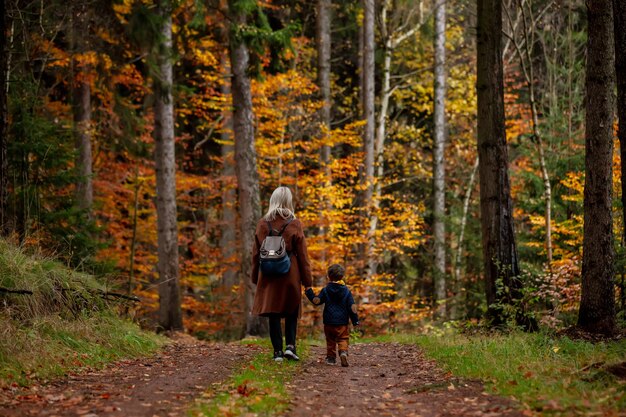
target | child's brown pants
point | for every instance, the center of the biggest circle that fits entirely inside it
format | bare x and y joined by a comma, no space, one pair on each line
336,336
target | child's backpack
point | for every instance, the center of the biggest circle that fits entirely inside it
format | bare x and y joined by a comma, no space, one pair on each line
274,259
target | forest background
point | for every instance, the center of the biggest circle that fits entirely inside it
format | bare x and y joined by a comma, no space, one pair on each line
84,80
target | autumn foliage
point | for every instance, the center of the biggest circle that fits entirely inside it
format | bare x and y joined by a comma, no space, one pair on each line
119,239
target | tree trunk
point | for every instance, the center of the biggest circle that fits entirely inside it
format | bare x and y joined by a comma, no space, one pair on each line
82,126
619,14
4,120
246,165
369,132
529,74
323,73
228,239
323,30
81,96
619,11
439,172
170,315
499,251
133,239
597,304
456,285
361,46
368,98
391,41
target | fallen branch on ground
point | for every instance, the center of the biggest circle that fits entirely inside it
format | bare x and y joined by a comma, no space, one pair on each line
10,291
118,295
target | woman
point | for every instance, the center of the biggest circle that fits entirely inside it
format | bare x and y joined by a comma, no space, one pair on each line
279,296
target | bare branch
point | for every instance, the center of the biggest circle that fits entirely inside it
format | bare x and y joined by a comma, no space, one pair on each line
10,291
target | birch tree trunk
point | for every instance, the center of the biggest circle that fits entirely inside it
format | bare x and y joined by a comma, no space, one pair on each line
246,165
228,239
4,120
379,140
439,173
81,95
458,259
498,239
170,315
597,304
391,38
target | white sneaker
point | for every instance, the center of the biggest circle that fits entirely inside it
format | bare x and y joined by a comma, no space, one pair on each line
290,353
278,356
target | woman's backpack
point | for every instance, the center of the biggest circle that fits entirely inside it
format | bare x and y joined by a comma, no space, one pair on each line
274,258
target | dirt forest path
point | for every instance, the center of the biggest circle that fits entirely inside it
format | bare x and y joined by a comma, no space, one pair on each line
384,379
388,379
163,385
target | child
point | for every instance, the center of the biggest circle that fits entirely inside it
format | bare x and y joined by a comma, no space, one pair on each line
339,307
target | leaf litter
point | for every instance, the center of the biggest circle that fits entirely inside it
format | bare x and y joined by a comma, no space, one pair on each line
389,379
383,379
163,385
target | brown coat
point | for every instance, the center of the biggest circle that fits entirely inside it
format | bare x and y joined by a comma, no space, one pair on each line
281,294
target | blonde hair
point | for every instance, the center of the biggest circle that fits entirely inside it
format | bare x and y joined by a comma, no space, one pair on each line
281,203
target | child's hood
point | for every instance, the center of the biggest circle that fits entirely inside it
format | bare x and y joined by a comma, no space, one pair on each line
336,291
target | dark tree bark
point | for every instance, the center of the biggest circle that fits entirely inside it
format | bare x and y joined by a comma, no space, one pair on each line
368,71
368,98
323,30
228,238
323,70
246,165
499,251
597,304
619,12
4,87
170,314
81,100
439,169
82,123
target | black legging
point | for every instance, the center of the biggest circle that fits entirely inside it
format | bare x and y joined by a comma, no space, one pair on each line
276,334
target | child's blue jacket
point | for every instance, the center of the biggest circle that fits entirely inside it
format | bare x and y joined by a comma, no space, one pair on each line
338,304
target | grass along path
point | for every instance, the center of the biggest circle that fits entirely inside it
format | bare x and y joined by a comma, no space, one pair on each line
393,376
549,375
54,320
162,385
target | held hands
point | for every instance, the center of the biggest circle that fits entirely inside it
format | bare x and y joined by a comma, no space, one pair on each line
357,331
311,296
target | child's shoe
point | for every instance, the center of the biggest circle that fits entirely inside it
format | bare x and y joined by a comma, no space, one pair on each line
278,356
330,361
290,353
343,355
